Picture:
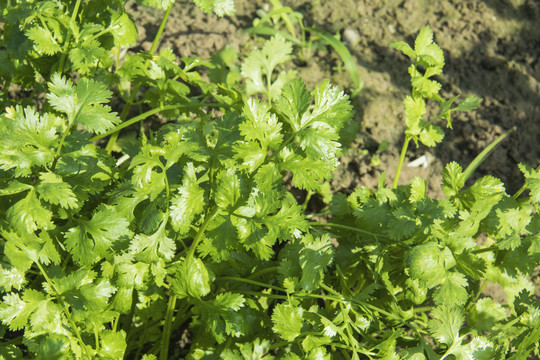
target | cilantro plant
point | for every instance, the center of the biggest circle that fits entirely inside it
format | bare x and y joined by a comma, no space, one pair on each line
190,244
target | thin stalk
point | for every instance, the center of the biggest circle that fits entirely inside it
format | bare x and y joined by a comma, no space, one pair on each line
129,104
198,237
68,37
166,335
524,187
346,227
253,282
64,308
264,271
149,113
57,155
401,161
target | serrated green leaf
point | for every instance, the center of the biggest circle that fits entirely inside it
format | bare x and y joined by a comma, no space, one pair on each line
486,314
261,125
532,181
446,323
123,29
431,135
250,154
219,7
188,203
86,55
28,214
113,344
314,258
15,311
28,139
414,114
82,103
287,320
418,189
152,248
293,102
423,40
192,279
44,40
404,48
452,290
426,263
92,239
453,180
53,190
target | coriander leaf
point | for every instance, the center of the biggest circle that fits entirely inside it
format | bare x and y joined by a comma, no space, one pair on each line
431,135
11,277
446,323
404,48
221,237
426,263
28,140
532,181
220,7
293,102
262,63
453,180
188,203
15,311
87,55
113,344
331,105
53,190
192,279
452,290
221,316
470,103
261,125
414,114
123,29
288,321
250,154
486,313
44,40
151,248
28,215
470,265
82,103
418,189
228,188
92,239
314,258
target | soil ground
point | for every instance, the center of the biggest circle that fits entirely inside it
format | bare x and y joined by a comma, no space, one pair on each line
491,47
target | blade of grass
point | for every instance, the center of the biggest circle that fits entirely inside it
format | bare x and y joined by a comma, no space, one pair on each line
343,53
484,154
268,31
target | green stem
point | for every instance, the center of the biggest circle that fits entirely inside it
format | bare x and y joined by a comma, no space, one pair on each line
64,308
198,237
149,113
166,335
253,282
57,155
524,187
346,227
401,161
68,37
264,271
129,104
